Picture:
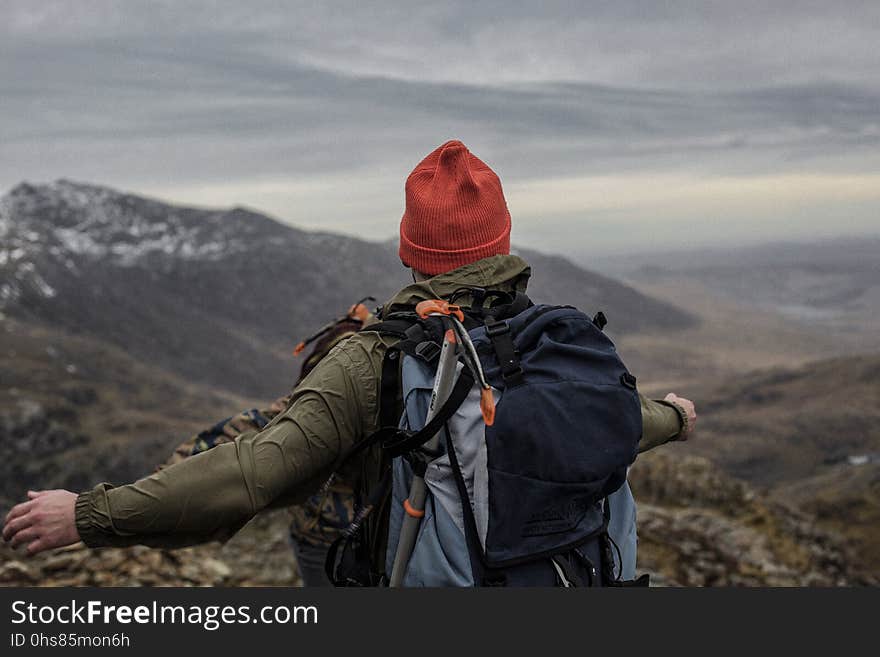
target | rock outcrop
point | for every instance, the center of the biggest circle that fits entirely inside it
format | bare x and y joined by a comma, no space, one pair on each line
700,527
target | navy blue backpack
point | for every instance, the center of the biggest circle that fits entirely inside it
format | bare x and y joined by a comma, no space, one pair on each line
539,498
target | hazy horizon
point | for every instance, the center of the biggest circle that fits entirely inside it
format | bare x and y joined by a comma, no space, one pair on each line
615,128
580,253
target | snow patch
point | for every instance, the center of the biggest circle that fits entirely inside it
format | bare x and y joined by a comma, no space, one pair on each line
74,240
9,292
46,290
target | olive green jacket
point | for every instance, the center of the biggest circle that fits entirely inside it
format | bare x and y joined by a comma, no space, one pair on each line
213,494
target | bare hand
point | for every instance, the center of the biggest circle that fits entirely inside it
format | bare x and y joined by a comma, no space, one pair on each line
688,406
47,520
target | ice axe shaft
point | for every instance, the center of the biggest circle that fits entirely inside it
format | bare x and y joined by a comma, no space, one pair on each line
415,503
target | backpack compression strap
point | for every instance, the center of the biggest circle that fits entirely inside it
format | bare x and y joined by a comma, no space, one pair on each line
398,442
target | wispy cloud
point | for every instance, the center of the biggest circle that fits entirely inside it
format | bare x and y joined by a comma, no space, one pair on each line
317,111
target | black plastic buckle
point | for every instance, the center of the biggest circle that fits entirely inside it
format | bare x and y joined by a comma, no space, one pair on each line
428,351
495,329
513,375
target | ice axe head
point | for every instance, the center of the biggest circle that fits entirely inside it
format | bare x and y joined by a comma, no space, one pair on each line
438,307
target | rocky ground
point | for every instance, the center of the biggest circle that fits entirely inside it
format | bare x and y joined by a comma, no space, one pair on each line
257,556
700,527
697,527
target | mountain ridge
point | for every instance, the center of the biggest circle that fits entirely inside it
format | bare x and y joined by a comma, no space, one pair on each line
179,285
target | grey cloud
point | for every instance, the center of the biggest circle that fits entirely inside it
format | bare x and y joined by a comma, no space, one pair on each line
276,104
146,93
681,43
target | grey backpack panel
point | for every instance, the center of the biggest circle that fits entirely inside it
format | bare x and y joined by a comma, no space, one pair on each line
622,530
440,555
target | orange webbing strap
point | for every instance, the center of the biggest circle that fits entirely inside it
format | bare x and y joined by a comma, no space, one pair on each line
487,406
410,511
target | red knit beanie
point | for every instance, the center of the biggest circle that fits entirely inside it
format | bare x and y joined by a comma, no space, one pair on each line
455,212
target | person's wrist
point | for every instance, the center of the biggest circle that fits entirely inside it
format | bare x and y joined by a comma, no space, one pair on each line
683,418
85,529
684,421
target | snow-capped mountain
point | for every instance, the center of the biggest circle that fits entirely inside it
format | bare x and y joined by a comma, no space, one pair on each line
219,296
65,221
210,294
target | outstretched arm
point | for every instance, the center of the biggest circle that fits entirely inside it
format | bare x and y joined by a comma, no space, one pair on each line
213,494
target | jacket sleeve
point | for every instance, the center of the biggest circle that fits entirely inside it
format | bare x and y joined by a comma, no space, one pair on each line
213,494
661,423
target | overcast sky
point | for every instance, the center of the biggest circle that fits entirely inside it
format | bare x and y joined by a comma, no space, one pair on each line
614,126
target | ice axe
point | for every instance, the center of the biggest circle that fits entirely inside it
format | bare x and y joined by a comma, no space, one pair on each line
414,505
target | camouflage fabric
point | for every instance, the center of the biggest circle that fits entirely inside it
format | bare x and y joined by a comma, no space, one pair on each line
227,431
320,519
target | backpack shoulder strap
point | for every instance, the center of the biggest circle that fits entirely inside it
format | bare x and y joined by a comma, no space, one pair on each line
389,387
410,331
396,326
